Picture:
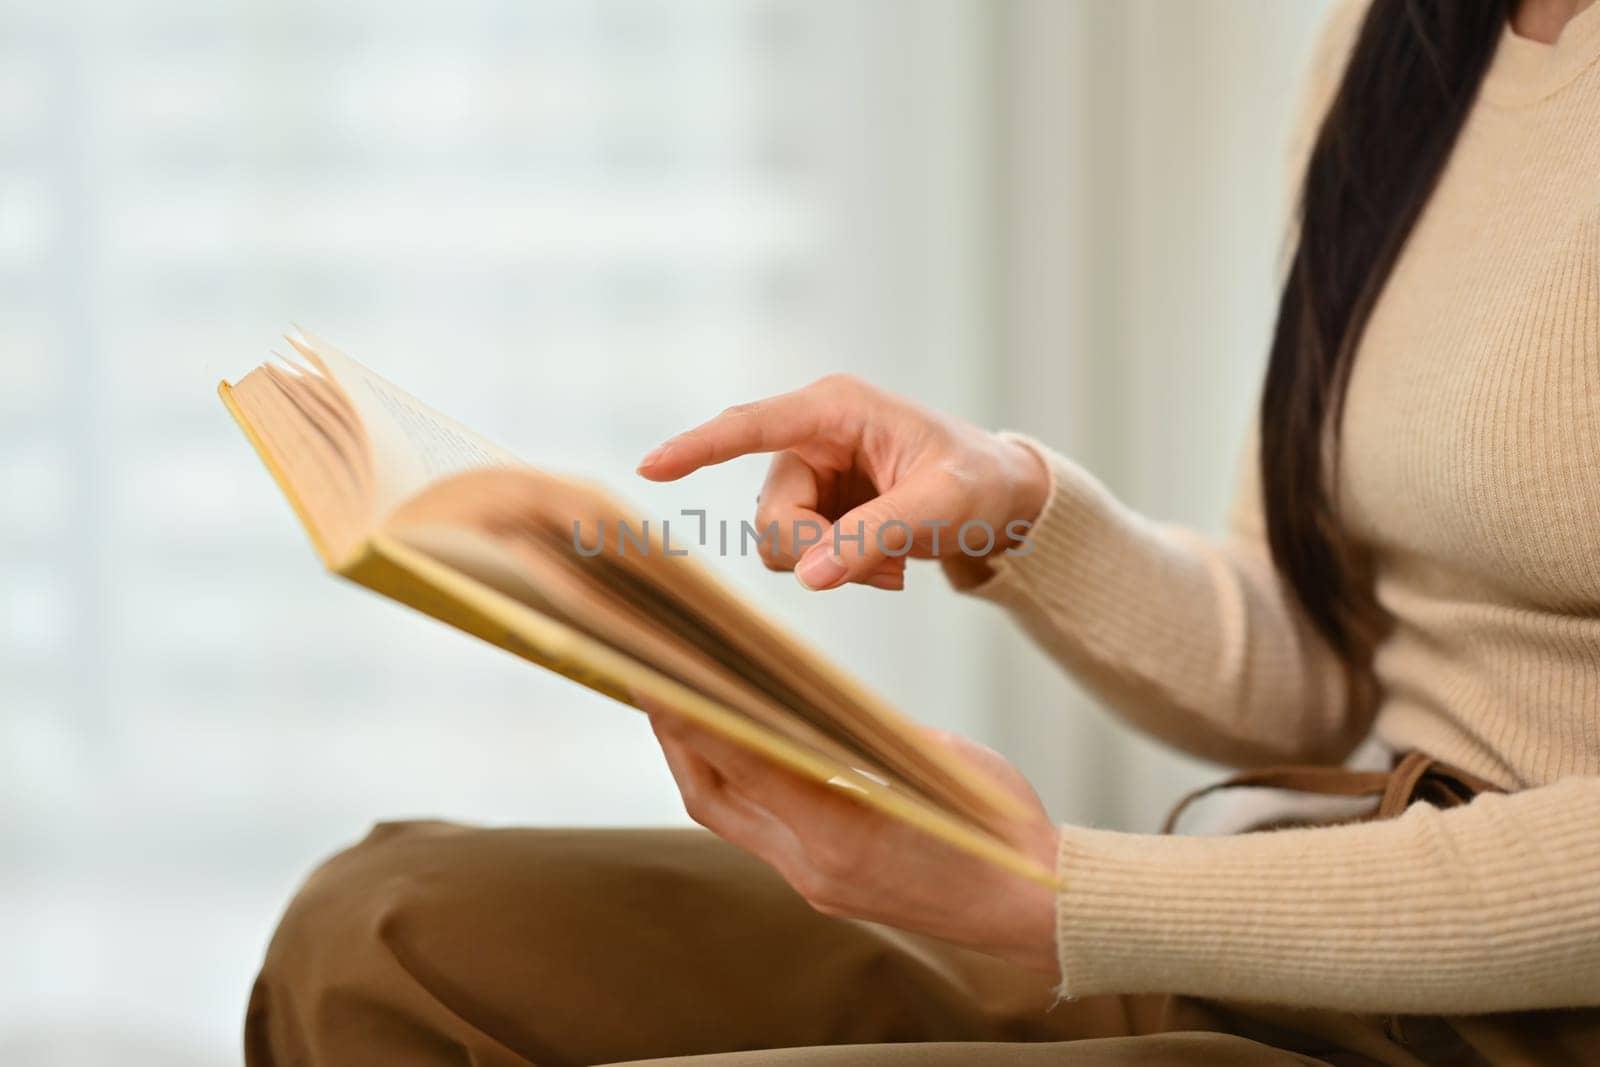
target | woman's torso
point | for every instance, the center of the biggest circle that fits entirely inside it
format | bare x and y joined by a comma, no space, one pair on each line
1471,440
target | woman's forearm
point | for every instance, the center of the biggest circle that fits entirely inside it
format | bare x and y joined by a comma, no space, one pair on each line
1194,640
1484,908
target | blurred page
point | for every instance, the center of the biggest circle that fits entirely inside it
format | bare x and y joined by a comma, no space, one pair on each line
412,444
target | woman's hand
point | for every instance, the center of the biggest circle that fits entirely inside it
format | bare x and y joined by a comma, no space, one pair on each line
849,860
893,480
898,480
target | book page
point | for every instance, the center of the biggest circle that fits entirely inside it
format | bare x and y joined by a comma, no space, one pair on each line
412,444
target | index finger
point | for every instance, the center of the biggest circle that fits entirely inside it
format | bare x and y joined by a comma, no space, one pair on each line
769,425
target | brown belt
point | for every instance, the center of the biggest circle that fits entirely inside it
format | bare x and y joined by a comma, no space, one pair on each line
1413,777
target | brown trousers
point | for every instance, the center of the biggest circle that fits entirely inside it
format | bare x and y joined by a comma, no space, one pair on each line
431,944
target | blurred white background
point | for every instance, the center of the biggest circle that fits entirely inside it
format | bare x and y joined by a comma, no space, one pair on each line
576,225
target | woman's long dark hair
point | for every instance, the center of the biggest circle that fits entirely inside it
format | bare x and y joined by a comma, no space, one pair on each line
1412,76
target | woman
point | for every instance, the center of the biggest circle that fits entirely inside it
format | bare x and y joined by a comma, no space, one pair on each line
1416,555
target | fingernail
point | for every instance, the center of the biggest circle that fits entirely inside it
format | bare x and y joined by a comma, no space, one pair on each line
653,457
819,570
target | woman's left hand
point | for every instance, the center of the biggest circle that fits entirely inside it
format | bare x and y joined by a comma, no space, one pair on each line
849,860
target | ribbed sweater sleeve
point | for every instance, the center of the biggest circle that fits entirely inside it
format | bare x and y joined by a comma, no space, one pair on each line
1197,641
1488,907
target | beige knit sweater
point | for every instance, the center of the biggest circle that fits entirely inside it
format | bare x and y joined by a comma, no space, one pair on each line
1472,473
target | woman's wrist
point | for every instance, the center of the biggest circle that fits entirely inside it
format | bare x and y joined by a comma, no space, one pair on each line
1034,908
1029,482
1015,496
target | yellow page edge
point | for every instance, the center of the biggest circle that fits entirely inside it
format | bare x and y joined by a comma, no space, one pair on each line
225,391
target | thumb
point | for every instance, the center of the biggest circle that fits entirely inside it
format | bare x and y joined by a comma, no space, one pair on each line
866,541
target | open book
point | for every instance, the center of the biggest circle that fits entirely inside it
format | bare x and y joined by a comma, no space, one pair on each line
417,507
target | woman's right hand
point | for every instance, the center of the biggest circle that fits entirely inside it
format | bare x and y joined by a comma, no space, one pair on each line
852,459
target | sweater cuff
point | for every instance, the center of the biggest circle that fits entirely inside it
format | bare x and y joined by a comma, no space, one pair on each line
1127,917
1141,913
1269,916
1078,514
1487,907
